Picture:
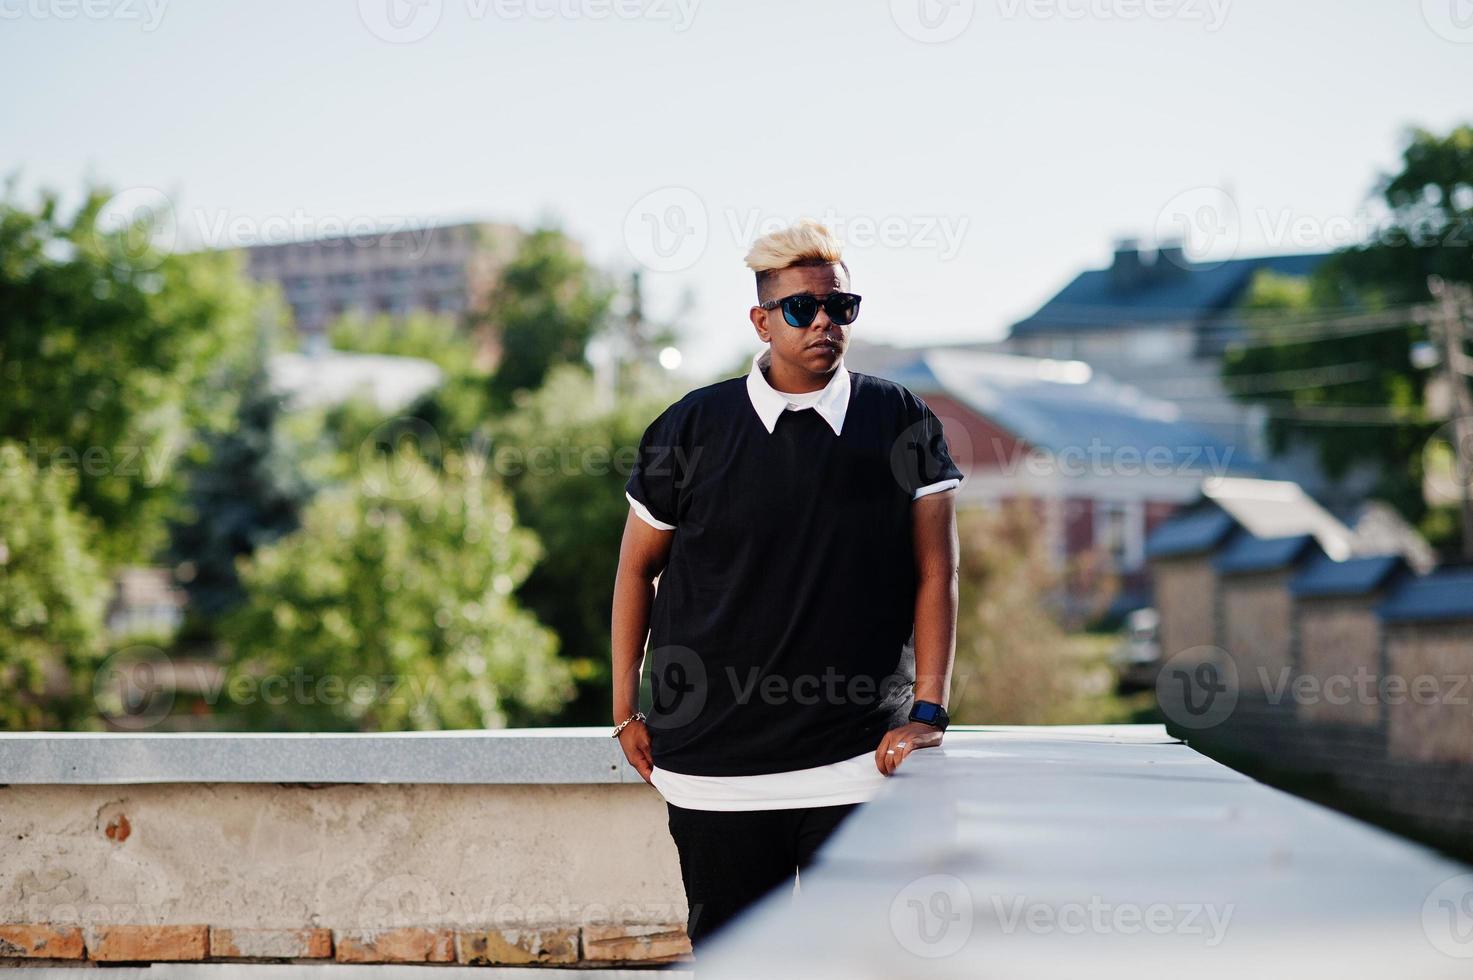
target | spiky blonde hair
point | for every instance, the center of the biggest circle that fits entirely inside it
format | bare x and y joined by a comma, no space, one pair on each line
807,242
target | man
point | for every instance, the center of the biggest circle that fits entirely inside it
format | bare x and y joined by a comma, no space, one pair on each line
801,524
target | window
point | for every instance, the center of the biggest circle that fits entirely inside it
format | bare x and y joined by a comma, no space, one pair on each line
1119,532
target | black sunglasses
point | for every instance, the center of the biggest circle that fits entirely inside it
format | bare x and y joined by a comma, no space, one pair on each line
799,310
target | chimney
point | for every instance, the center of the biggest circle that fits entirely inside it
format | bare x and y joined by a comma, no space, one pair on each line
1126,271
1171,260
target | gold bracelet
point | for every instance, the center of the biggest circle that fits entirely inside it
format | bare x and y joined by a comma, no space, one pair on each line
637,716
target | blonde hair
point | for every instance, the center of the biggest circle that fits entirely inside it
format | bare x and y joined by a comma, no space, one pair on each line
802,243
806,242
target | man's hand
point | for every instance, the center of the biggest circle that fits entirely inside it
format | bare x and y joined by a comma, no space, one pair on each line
635,741
900,742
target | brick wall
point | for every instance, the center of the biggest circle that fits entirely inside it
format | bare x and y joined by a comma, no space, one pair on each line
1374,717
1185,590
1255,625
1339,643
1431,720
354,873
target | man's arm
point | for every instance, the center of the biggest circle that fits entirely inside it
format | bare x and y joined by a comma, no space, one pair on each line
937,557
643,555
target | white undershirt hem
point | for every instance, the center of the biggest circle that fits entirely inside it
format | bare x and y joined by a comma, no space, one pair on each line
854,780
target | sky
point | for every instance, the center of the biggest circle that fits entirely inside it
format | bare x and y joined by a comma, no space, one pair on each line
973,154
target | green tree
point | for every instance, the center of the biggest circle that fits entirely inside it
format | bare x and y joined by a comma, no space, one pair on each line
548,304
392,608
433,337
106,344
1014,663
246,488
566,459
53,595
1349,331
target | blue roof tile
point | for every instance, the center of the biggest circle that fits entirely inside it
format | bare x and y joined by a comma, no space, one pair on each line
1246,553
1355,576
1190,533
1072,411
1446,594
1094,299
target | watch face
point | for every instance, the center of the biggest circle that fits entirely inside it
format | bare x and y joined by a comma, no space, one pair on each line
925,713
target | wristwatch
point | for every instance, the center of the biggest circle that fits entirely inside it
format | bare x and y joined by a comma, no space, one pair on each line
930,713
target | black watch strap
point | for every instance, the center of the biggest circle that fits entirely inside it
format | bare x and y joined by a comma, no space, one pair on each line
930,713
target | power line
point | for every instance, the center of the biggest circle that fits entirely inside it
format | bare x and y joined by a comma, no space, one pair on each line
1319,414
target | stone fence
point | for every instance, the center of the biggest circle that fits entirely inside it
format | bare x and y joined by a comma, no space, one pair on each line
1350,680
486,848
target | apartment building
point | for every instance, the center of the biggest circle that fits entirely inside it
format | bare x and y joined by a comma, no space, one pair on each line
448,269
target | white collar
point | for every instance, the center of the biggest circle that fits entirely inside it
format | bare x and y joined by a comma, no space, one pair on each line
770,403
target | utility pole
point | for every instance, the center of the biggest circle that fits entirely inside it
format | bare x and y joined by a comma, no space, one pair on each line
1453,299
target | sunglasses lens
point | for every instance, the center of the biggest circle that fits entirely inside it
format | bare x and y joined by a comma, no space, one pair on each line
799,311
842,308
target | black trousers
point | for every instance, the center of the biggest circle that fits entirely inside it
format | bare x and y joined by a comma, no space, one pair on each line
731,858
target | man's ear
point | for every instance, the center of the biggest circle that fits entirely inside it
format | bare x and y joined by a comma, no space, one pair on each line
759,323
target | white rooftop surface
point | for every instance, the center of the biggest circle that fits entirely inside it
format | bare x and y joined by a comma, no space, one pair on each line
331,377
1103,852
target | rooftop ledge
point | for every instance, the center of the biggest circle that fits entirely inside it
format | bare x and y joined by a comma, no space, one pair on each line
1010,852
519,756
512,756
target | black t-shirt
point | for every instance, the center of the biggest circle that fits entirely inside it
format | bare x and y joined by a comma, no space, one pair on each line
782,631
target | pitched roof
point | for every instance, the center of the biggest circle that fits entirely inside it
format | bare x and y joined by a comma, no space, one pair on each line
1057,406
1246,553
1446,594
1190,533
1276,509
1097,298
1355,576
1264,509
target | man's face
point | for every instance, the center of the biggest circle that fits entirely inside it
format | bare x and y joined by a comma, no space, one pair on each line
818,346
